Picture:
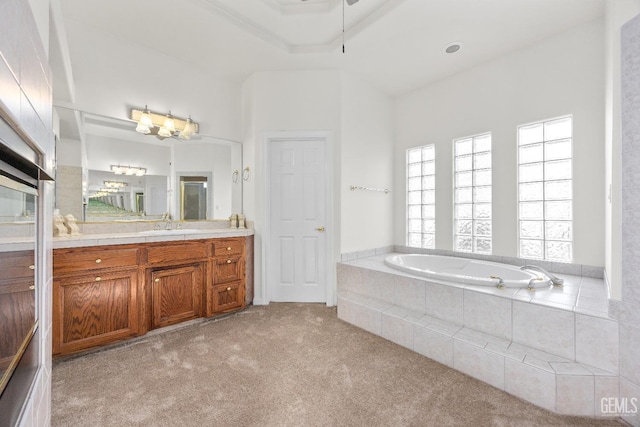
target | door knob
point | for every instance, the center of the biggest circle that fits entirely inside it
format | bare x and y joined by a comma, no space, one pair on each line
320,229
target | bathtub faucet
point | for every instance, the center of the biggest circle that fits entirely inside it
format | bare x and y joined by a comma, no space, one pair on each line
500,284
557,281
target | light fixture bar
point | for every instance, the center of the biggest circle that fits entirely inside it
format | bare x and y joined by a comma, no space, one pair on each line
115,184
128,170
160,120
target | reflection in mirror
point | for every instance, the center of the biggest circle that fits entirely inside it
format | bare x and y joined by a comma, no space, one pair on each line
17,273
193,197
125,196
88,188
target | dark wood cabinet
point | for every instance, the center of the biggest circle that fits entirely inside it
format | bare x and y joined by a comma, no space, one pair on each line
103,294
94,309
226,291
227,297
228,269
17,303
176,294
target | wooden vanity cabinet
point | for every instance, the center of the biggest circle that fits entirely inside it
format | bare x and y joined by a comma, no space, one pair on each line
176,282
227,290
103,294
95,297
17,302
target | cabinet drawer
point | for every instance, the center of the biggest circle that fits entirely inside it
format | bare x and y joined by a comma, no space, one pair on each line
228,296
228,269
70,260
225,247
175,253
14,265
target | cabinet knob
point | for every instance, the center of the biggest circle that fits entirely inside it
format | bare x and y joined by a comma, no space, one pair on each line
228,248
98,261
32,287
98,278
32,267
157,280
229,288
228,261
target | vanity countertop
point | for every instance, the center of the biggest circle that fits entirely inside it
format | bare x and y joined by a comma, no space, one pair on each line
83,240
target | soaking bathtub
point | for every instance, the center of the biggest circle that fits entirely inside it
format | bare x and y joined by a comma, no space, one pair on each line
467,271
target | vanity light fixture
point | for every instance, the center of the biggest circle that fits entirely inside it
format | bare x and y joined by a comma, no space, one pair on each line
115,184
189,129
128,170
145,122
163,126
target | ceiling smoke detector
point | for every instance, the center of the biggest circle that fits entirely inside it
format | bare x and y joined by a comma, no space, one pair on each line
453,47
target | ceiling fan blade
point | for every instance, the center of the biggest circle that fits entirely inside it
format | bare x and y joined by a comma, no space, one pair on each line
351,2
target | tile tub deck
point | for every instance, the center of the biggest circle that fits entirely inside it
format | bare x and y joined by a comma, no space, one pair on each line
556,348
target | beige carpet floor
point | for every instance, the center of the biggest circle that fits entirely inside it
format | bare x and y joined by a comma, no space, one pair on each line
278,365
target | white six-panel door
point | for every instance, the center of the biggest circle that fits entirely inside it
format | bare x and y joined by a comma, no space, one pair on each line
296,269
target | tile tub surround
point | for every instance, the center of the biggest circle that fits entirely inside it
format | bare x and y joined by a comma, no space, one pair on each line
550,347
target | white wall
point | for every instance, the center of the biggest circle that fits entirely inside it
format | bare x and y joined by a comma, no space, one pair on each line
627,309
113,74
617,13
557,76
366,218
284,101
358,117
103,152
68,152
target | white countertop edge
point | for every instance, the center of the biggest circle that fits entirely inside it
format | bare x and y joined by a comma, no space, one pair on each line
133,238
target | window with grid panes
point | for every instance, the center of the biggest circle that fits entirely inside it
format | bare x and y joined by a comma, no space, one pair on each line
421,197
545,190
472,194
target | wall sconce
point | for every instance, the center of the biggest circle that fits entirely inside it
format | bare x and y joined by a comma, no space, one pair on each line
163,126
128,170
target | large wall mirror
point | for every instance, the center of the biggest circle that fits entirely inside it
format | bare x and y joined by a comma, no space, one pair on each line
195,179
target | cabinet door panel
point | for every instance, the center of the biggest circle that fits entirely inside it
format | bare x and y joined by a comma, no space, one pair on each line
17,314
94,309
176,294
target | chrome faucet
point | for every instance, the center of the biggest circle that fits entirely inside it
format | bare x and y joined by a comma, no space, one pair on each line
557,281
500,284
167,218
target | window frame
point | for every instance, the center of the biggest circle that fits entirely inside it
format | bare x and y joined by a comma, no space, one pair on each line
544,200
473,203
422,204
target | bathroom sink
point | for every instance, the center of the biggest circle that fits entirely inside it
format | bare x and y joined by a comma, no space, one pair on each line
169,232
